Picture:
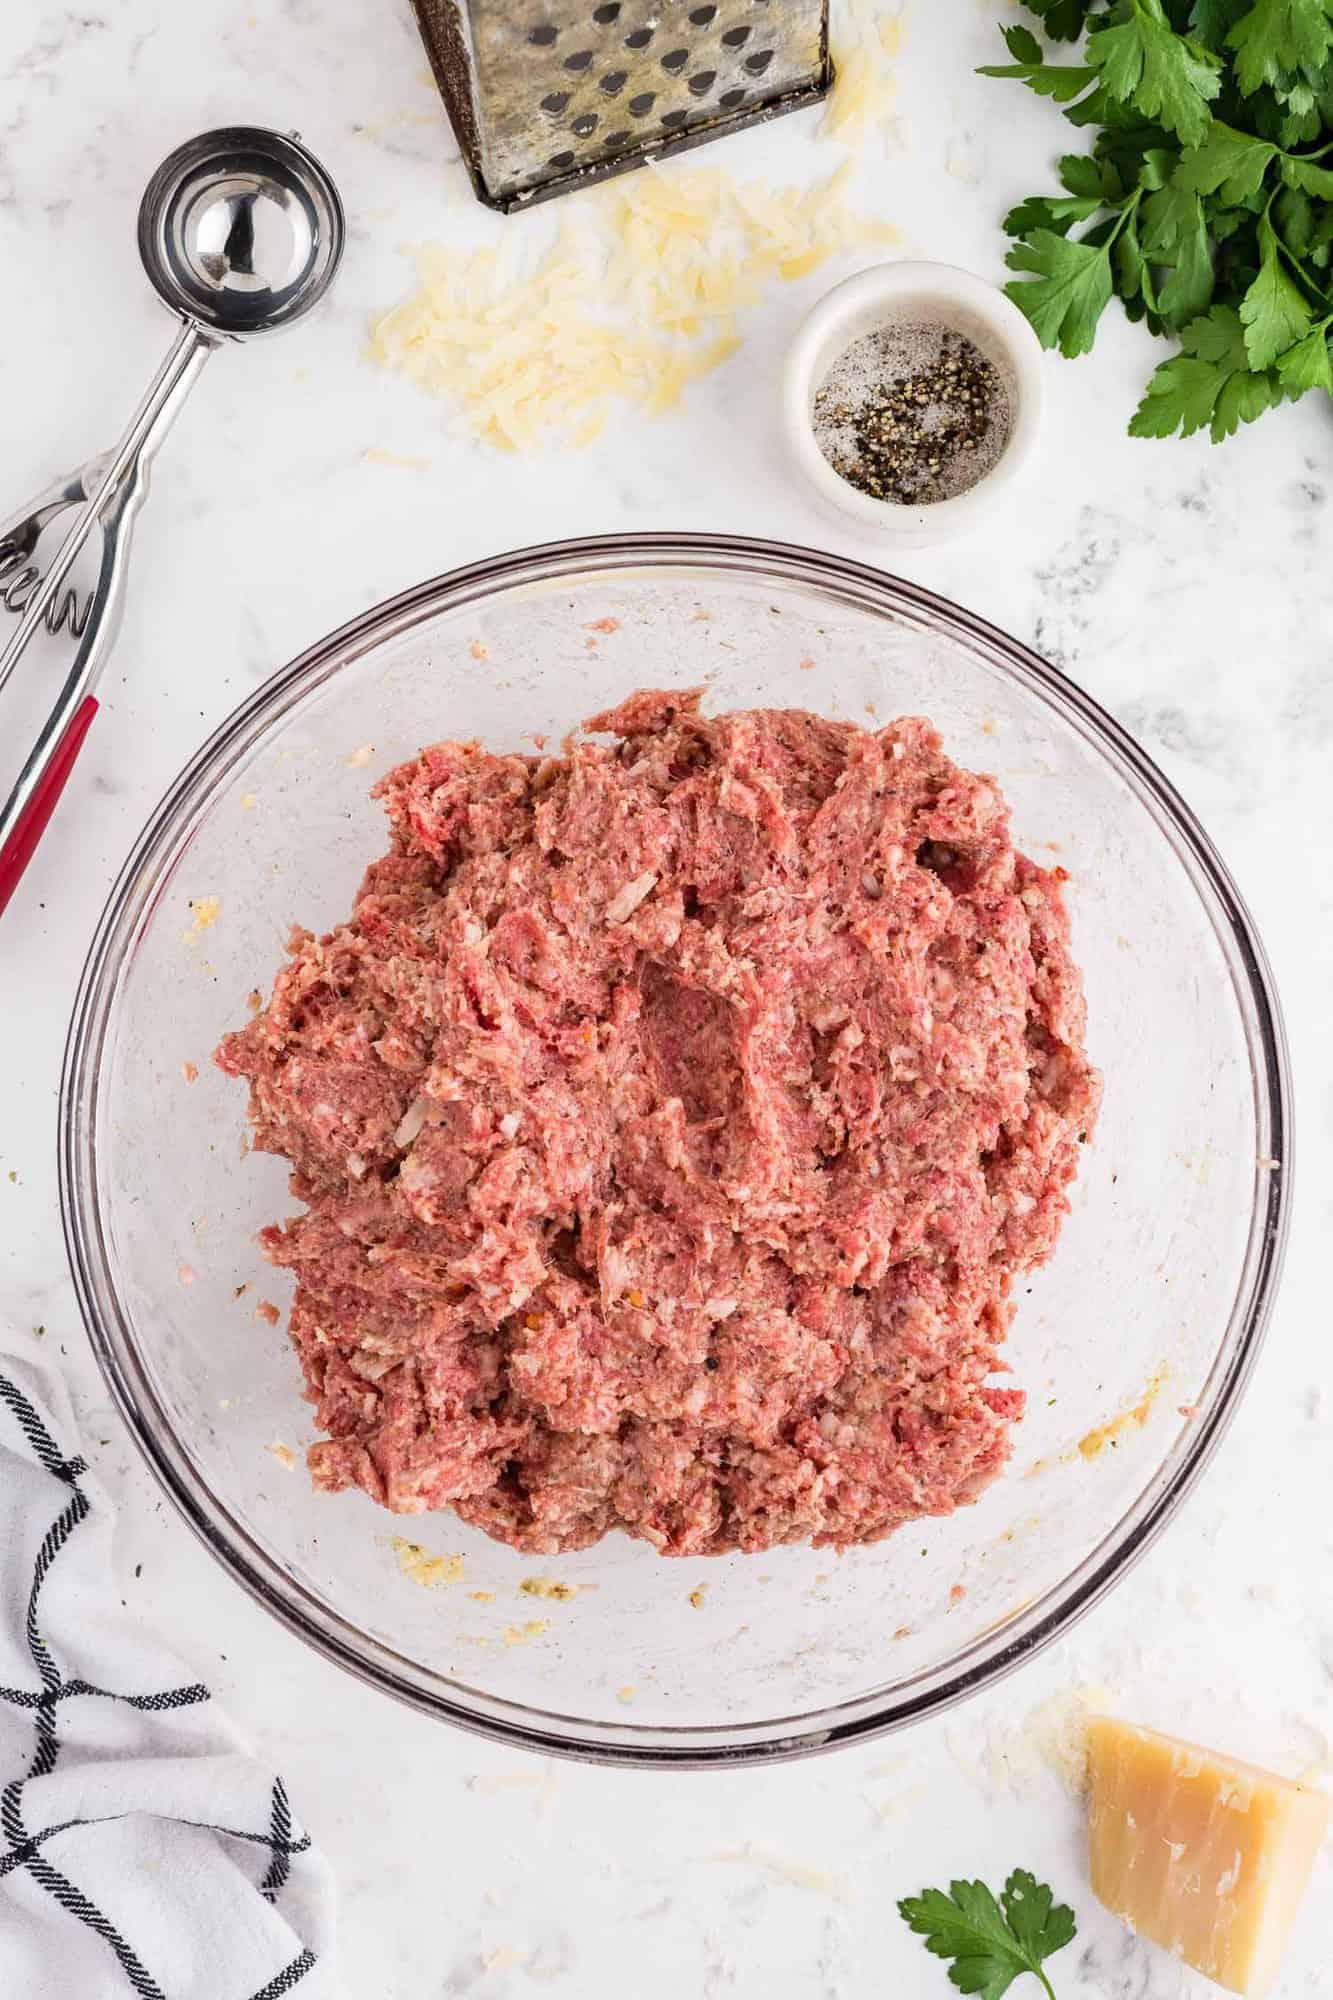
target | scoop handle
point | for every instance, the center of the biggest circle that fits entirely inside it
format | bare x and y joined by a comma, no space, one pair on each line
114,497
30,825
147,427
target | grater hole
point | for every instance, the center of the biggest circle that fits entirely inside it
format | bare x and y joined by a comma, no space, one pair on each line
614,140
736,38
555,102
676,59
731,98
560,161
542,38
604,16
675,119
614,81
581,58
701,16
702,82
585,123
757,64
639,39
643,104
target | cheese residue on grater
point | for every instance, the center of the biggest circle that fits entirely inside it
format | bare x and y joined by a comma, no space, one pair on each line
637,297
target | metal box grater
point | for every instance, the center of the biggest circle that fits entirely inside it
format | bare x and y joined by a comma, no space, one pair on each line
548,95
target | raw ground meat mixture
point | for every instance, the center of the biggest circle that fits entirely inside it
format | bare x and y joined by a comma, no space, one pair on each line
671,1119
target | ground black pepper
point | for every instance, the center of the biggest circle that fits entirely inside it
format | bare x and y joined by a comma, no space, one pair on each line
912,414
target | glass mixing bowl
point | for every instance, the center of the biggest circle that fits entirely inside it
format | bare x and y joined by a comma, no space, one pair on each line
1133,1345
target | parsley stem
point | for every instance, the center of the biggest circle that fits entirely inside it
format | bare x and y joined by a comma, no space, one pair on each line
1295,262
1127,209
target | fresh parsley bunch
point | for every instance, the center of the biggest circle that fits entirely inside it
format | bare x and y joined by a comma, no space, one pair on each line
1205,206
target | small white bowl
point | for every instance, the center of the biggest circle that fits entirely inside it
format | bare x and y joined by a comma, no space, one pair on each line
913,293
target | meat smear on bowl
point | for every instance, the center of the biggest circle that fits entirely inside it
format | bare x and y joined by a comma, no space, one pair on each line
671,1120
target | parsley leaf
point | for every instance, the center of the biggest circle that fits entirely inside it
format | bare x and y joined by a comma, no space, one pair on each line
1289,115
1293,218
1081,175
1057,212
1306,175
1124,146
1175,234
1279,39
1307,365
1164,75
1071,290
1063,20
1218,337
1321,240
1244,398
1133,276
1041,1925
1209,386
1228,162
1061,81
1157,167
990,1945
1273,310
1181,396
1212,20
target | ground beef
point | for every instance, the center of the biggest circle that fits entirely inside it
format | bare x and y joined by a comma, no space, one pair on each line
671,1119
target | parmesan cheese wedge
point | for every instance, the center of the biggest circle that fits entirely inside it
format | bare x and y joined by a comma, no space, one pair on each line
1199,1852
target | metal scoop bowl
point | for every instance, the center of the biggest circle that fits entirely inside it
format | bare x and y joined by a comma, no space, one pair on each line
240,231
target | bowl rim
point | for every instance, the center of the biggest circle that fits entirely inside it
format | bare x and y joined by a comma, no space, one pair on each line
988,1658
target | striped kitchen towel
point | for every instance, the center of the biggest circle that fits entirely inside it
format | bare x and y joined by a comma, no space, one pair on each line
142,1851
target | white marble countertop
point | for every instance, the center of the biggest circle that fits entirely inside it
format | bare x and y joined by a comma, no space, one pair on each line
1189,589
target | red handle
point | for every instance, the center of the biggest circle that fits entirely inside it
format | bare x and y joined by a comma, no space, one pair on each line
18,850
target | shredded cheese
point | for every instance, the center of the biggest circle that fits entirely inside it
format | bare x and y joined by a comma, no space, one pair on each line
795,1872
548,1586
531,1628
1095,1442
638,296
205,911
407,462
865,47
504,1959
427,1570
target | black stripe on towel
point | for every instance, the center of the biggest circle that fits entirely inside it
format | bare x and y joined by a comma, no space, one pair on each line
20,1856
280,1834
290,1976
44,1701
28,1845
44,1447
184,1697
73,1899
